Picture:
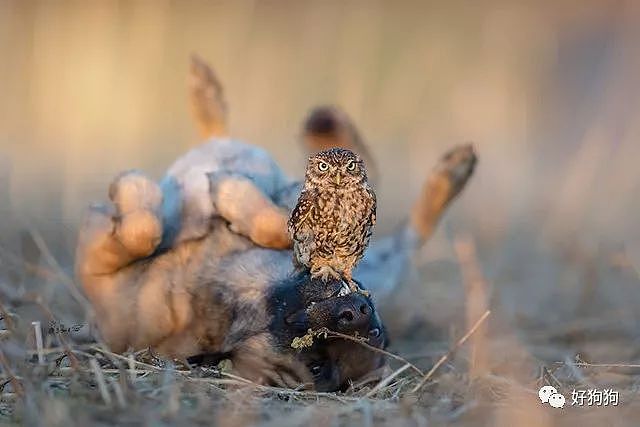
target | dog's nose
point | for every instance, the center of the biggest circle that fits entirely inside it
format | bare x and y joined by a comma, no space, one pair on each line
354,313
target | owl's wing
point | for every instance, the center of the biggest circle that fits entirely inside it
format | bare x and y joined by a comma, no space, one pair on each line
301,212
300,231
368,221
374,206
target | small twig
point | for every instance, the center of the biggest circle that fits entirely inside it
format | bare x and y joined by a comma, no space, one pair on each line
330,333
576,372
117,390
66,371
279,390
137,362
457,345
52,350
476,293
550,375
606,365
39,345
132,367
219,381
382,384
102,385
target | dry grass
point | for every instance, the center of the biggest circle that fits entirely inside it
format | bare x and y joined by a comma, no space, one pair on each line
69,379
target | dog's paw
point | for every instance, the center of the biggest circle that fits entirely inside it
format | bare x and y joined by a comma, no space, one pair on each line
457,166
137,200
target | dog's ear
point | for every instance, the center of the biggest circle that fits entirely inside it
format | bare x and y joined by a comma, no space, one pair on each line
298,320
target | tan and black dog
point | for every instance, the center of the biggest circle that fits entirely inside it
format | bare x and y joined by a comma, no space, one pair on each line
200,265
220,296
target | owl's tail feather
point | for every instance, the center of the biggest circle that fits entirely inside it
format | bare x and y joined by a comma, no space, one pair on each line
206,98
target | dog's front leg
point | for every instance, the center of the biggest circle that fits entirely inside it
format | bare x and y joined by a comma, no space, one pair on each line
256,360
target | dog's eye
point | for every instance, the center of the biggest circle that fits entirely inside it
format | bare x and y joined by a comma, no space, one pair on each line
323,167
351,166
375,332
315,370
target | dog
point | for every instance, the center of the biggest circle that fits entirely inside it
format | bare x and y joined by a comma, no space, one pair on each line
225,288
221,296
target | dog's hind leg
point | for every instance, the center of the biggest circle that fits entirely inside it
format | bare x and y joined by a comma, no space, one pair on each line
443,184
386,263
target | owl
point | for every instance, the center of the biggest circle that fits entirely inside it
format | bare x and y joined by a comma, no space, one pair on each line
332,223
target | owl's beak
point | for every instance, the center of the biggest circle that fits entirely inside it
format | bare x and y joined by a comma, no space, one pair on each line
338,178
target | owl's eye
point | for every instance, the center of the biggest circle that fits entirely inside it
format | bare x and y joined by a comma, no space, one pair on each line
323,167
351,166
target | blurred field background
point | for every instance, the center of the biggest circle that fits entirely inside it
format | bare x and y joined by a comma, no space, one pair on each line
549,93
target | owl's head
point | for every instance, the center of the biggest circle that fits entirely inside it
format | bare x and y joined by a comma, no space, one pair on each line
337,168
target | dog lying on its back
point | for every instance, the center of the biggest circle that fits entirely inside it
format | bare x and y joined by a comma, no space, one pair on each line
220,295
223,290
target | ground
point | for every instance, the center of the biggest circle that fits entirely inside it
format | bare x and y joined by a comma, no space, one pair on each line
500,361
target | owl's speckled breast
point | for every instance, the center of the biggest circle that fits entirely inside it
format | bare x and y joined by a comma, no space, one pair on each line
341,223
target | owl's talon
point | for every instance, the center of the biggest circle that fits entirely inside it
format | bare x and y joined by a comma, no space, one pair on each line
353,285
325,272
